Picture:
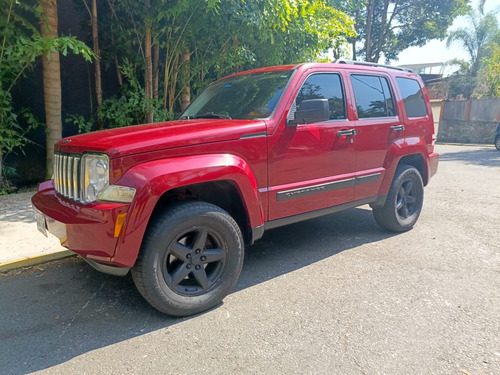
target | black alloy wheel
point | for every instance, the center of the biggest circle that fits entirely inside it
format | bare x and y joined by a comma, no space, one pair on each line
194,261
190,259
404,201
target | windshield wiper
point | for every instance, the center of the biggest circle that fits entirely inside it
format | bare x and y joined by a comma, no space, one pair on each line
213,115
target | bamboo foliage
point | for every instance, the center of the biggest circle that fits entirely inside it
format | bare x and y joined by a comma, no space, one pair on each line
178,46
162,53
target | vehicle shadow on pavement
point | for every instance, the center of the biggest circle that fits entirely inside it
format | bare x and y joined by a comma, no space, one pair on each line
292,247
487,157
54,312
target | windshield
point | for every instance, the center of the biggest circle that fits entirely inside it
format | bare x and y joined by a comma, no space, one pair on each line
244,97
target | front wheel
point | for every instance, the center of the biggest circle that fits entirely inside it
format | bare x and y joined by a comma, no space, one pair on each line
190,259
497,143
404,201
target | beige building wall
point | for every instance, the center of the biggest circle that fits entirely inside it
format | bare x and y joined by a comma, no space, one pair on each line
436,105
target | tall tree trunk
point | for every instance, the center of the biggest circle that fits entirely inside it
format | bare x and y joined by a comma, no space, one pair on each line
156,68
356,22
148,74
51,82
173,84
382,33
118,72
369,23
97,63
166,78
117,65
186,77
1,167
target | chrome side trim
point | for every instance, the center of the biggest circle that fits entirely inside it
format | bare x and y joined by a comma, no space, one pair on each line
367,179
322,188
314,189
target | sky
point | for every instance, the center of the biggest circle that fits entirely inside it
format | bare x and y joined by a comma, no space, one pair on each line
436,51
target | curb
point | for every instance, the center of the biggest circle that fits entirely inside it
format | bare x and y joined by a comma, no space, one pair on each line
4,267
487,145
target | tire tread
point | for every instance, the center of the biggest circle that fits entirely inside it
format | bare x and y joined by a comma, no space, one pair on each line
386,216
145,281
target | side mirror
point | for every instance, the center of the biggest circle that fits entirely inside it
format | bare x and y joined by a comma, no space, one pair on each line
312,110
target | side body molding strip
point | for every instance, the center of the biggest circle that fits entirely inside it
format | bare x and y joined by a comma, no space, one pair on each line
329,186
314,214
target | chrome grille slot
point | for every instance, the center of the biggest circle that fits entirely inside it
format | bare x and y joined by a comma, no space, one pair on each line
56,177
63,169
59,172
76,179
67,176
70,177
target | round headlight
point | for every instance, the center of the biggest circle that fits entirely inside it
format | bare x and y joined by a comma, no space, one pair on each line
96,175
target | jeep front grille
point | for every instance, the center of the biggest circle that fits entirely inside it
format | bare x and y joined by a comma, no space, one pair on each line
67,178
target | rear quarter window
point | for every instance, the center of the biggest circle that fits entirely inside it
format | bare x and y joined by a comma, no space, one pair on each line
413,97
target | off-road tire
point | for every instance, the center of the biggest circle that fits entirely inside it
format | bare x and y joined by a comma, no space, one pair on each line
404,201
174,254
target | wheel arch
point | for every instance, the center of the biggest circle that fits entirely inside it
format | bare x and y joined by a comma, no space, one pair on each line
417,161
225,180
221,193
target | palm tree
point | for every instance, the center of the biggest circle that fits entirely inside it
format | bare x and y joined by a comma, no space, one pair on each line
51,82
483,30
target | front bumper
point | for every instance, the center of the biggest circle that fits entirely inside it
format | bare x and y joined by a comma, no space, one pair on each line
87,229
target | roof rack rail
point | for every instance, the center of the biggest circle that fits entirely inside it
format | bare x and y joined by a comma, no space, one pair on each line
341,61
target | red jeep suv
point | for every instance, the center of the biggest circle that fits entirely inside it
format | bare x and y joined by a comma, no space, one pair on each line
175,202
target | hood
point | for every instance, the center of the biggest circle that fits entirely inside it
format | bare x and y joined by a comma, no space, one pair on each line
159,136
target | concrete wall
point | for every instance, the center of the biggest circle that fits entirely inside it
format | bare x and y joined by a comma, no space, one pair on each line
469,121
485,110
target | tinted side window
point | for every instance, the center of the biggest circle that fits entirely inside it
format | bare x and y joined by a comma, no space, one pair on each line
324,86
413,97
373,96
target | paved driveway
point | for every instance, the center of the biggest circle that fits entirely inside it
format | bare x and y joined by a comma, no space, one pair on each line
335,295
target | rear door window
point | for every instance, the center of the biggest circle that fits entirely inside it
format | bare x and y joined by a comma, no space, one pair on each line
373,96
413,97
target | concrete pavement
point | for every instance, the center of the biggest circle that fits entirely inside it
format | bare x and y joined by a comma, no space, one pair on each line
21,244
334,295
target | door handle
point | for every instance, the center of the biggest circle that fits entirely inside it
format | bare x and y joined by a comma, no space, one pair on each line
342,133
397,128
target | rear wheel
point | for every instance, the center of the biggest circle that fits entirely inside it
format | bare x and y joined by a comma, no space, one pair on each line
404,201
190,259
497,143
